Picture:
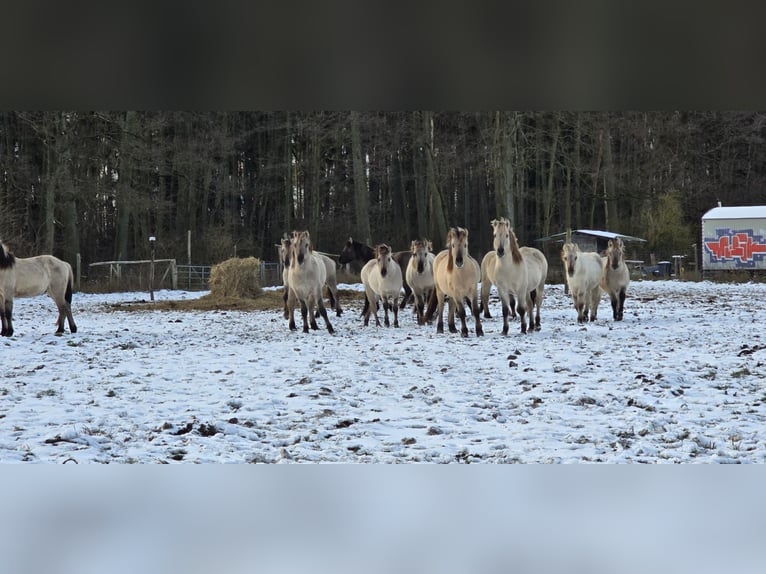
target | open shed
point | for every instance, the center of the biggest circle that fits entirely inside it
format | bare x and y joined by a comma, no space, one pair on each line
590,239
734,238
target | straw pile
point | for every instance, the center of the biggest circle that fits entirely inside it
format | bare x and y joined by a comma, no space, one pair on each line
238,278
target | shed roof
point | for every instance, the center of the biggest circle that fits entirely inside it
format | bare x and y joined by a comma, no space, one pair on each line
591,232
736,212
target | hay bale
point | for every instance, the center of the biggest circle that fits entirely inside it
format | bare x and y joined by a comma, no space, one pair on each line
236,277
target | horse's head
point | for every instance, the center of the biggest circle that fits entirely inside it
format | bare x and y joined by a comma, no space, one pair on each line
419,248
615,251
457,243
569,256
348,254
300,246
501,233
384,258
284,250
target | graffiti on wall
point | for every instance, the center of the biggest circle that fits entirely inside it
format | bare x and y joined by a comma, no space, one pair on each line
742,247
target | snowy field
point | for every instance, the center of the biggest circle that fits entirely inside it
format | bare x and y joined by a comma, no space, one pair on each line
681,379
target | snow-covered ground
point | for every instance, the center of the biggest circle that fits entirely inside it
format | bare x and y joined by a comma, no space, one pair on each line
681,379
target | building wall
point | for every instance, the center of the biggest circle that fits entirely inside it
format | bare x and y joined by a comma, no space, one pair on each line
732,244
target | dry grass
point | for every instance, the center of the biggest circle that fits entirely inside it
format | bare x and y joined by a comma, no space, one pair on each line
236,277
264,301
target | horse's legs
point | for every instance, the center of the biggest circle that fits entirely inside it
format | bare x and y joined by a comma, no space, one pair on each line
595,296
336,301
323,313
451,316
314,312
615,305
476,318
386,307
5,318
461,313
440,310
9,317
521,308
396,312
486,285
622,304
407,293
304,316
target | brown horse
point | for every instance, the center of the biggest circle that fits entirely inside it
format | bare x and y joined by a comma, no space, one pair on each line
32,276
456,275
615,276
305,279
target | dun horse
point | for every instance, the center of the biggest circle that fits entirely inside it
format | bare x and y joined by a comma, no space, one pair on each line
382,279
32,276
537,273
583,273
420,275
305,278
331,281
456,275
615,276
360,253
507,270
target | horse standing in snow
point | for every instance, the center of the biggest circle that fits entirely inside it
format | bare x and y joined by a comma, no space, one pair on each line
382,279
537,272
615,276
583,273
420,275
32,276
305,278
508,272
456,275
331,281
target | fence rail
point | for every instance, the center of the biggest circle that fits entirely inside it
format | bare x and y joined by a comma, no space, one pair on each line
193,277
188,277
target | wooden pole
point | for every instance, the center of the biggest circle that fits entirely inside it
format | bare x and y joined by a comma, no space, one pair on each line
152,241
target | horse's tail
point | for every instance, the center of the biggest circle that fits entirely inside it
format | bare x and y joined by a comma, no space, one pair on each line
69,286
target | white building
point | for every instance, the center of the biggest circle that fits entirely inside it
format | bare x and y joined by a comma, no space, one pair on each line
734,238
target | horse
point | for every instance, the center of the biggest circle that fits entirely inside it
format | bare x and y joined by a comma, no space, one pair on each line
537,272
305,278
331,281
615,276
583,272
456,275
508,272
32,276
357,252
382,279
420,275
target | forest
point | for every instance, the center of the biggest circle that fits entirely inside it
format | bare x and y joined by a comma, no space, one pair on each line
99,183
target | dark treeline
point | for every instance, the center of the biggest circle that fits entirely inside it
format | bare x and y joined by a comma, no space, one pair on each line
100,183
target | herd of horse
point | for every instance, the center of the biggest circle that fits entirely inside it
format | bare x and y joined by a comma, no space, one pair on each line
390,280
452,276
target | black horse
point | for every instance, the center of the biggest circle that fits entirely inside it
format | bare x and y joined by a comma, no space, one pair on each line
358,253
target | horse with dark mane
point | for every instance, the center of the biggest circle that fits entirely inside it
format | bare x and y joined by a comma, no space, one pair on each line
615,277
456,275
358,253
32,276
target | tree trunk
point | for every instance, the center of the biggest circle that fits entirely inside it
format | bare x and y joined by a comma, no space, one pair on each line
361,192
438,221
